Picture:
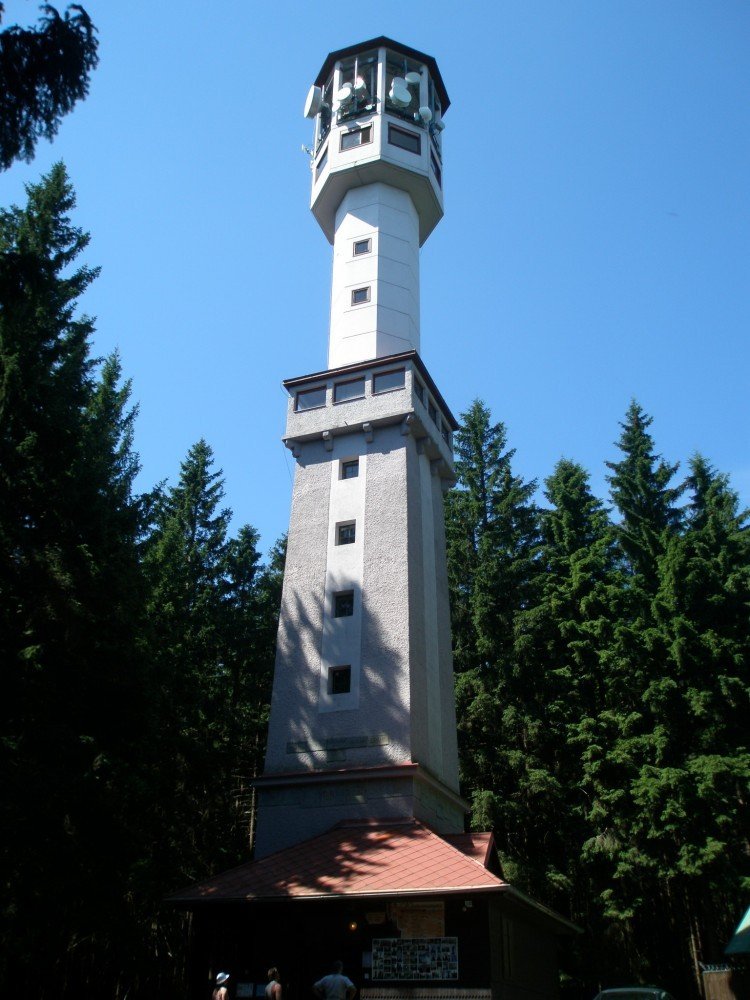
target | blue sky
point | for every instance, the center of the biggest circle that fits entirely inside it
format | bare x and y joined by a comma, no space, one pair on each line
595,247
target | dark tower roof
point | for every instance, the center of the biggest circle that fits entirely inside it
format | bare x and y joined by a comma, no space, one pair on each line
387,43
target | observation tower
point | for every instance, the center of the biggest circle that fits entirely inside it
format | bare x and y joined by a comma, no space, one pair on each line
362,722
360,848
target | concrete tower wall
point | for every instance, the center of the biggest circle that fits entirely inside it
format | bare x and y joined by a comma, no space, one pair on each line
381,223
395,642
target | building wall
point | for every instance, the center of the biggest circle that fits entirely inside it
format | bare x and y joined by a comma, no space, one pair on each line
523,949
304,937
400,705
388,321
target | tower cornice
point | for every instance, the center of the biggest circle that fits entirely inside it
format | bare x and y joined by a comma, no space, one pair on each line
292,384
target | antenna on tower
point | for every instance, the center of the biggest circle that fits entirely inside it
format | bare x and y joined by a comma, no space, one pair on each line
313,101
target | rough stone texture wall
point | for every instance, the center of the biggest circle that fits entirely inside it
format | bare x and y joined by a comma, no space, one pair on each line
293,814
449,763
294,713
400,707
417,638
385,626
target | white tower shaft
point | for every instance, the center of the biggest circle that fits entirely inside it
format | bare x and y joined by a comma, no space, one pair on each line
375,287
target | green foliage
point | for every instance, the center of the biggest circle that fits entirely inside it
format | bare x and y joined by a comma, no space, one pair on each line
136,637
44,72
603,731
491,533
70,598
602,669
212,623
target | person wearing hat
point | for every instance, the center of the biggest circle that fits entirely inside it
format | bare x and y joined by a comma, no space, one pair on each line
220,991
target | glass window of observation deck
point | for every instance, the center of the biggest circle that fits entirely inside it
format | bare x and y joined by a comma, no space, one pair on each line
310,399
324,115
398,66
360,73
433,102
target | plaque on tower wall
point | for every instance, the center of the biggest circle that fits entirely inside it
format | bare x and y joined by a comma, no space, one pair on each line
419,920
414,958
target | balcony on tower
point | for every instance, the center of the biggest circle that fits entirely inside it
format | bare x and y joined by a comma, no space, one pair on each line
378,109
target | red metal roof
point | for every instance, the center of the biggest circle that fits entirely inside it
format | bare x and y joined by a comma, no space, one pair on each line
358,859
480,846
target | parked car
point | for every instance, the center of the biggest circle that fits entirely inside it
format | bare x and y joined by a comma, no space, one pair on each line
634,993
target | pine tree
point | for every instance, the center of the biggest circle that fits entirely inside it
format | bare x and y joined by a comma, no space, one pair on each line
44,72
693,811
213,633
70,600
640,488
492,534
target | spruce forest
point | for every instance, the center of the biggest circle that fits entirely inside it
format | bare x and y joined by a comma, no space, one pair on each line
601,659
601,653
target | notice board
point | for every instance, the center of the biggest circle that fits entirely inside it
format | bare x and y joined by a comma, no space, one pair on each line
414,958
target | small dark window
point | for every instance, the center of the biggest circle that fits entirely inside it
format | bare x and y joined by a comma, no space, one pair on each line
360,295
321,164
340,680
357,137
446,433
350,470
411,141
343,604
345,534
419,389
384,381
308,399
432,411
362,246
353,389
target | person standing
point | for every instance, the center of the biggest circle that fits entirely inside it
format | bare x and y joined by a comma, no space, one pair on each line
273,990
335,986
220,991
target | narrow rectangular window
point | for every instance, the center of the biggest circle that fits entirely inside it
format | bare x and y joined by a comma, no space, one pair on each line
340,680
343,604
385,381
436,169
360,295
309,399
350,470
446,433
432,411
362,246
353,389
357,137
346,533
411,141
321,164
419,389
